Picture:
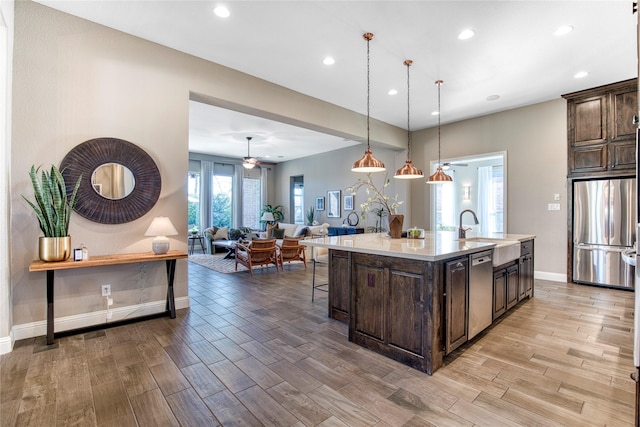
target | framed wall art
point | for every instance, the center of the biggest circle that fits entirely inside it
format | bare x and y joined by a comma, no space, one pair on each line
319,203
333,204
348,203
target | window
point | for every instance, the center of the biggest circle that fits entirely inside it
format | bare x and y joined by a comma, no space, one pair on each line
193,194
221,211
298,200
251,203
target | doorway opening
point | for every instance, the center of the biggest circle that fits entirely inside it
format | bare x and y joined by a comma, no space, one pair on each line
480,184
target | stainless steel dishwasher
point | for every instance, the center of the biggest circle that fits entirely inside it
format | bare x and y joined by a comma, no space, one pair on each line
480,292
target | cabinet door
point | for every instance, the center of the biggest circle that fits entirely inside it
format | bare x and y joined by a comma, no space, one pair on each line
456,302
591,158
499,293
526,277
622,155
589,120
625,107
369,284
405,324
339,285
512,286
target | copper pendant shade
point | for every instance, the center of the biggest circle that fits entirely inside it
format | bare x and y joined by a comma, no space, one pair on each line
439,176
408,171
368,163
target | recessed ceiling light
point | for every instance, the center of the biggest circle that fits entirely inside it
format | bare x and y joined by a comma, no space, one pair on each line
435,113
393,92
466,34
493,97
581,74
328,61
221,11
561,31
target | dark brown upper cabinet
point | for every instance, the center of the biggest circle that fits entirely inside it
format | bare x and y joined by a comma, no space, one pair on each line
600,130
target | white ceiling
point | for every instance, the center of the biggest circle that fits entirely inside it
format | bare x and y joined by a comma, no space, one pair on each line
514,55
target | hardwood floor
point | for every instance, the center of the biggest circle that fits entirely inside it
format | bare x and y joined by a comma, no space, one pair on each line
257,351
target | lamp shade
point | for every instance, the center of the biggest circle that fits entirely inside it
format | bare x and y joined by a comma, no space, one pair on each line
439,177
267,216
161,227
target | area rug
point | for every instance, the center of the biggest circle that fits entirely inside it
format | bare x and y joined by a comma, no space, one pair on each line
217,263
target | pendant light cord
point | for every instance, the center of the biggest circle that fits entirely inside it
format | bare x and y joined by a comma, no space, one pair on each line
408,63
439,83
368,37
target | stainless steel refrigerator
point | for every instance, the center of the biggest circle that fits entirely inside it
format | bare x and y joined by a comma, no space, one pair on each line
604,219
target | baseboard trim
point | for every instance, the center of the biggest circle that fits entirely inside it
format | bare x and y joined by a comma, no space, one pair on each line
553,277
6,343
95,318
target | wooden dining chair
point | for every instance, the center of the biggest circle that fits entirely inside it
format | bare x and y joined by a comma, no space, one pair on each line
258,252
291,250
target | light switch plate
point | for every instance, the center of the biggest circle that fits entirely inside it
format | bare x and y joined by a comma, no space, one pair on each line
554,206
556,197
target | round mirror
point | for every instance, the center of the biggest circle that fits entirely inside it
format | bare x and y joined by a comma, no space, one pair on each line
125,166
113,181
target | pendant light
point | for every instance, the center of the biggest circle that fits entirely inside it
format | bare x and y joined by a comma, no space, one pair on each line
368,163
248,162
408,171
439,177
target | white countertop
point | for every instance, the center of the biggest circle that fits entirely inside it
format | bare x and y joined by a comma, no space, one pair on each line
435,246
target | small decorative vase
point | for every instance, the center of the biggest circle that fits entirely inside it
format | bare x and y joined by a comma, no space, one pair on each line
395,226
53,249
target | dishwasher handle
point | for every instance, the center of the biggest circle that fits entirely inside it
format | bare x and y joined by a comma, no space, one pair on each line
480,259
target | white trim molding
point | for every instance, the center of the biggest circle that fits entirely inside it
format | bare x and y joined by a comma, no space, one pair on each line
95,318
552,277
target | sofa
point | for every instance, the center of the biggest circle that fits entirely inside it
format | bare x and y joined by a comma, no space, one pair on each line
281,230
225,233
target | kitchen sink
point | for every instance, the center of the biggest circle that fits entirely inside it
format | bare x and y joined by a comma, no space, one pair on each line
504,251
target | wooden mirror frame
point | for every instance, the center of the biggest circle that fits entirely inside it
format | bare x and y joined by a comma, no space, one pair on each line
88,156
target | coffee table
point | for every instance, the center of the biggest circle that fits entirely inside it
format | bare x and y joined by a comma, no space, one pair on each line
229,245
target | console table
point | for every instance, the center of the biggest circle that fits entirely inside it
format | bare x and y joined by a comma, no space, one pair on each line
105,260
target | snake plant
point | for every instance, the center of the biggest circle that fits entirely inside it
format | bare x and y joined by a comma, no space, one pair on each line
52,205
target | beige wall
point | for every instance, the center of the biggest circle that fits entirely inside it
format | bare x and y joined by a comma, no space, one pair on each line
535,139
332,171
75,80
6,61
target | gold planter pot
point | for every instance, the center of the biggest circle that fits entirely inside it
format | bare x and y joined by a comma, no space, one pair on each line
53,249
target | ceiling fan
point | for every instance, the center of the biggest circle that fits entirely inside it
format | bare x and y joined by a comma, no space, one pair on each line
249,162
447,165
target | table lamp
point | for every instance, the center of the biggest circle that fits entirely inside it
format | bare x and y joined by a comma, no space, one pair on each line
161,227
267,217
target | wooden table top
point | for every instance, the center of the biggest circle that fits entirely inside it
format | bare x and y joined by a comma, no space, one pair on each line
100,260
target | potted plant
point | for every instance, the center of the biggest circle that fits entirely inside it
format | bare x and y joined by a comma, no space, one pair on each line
380,203
276,211
53,208
311,215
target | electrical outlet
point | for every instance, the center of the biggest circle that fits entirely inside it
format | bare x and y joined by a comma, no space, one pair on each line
106,290
554,206
109,302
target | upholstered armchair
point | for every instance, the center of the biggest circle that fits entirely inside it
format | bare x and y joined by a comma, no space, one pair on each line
258,252
292,250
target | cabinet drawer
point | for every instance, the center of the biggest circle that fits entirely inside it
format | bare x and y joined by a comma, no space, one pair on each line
526,248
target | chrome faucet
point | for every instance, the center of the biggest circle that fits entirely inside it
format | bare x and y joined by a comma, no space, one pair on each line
462,232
